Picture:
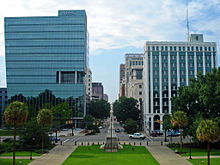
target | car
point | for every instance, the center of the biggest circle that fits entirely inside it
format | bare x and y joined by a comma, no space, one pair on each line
137,136
53,138
8,140
173,133
100,127
117,130
156,133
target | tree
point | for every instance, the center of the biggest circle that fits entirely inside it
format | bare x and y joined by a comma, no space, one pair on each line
99,109
208,131
30,135
199,100
131,126
180,120
16,113
61,112
126,108
167,125
44,118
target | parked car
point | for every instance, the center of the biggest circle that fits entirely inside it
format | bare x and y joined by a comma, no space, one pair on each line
53,138
137,136
156,133
8,140
100,127
117,130
173,133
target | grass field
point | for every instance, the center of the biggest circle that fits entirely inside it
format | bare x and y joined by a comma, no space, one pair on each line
21,153
213,161
92,155
9,133
197,151
10,161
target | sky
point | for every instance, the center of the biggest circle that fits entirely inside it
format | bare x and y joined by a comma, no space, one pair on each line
117,27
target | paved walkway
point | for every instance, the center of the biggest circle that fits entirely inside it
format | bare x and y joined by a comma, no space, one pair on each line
56,156
166,156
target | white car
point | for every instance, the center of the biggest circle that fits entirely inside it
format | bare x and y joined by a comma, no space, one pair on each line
137,136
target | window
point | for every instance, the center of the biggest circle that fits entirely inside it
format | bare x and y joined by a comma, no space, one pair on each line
139,74
140,93
140,86
68,77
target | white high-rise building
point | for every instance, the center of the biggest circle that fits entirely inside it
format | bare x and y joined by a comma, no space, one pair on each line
167,66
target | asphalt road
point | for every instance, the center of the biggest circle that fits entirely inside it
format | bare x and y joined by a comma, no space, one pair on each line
123,136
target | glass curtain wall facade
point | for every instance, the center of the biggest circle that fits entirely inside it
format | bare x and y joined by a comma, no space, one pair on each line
47,52
167,66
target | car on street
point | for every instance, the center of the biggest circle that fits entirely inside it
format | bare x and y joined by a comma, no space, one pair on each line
100,127
156,133
173,133
137,136
53,138
117,130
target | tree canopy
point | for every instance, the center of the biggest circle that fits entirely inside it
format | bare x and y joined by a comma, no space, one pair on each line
99,109
125,108
200,100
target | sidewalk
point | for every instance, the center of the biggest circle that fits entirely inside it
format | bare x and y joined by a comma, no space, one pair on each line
56,156
166,156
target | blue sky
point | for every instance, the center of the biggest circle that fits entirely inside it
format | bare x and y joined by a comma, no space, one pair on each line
117,27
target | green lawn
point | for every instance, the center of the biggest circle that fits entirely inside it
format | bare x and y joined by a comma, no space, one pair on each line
92,155
21,153
213,161
9,133
197,151
10,161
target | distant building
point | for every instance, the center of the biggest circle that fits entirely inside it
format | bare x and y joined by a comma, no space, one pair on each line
133,79
167,66
97,91
48,52
105,97
122,80
89,83
3,101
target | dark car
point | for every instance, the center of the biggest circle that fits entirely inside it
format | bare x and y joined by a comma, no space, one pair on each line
117,130
53,138
7,140
156,133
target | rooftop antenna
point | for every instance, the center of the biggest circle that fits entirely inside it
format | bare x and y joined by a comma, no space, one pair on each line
187,20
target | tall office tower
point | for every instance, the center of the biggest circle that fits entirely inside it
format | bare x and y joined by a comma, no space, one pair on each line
122,80
134,79
97,91
169,65
47,52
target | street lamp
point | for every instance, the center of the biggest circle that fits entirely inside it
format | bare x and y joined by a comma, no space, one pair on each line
33,139
190,149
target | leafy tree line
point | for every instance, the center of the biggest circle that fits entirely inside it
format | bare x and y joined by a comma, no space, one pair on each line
196,109
127,112
200,100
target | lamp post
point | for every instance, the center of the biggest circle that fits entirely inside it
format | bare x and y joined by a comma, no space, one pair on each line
190,149
33,139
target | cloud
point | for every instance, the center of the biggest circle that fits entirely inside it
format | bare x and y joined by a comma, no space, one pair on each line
118,24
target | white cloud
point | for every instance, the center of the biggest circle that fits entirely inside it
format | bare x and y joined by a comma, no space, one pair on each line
117,23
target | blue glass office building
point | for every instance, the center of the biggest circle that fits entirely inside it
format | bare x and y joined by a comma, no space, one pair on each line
47,52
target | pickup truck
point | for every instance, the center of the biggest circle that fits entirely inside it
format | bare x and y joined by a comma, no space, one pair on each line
137,136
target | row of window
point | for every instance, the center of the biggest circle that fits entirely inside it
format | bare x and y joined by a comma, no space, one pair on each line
136,63
181,48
